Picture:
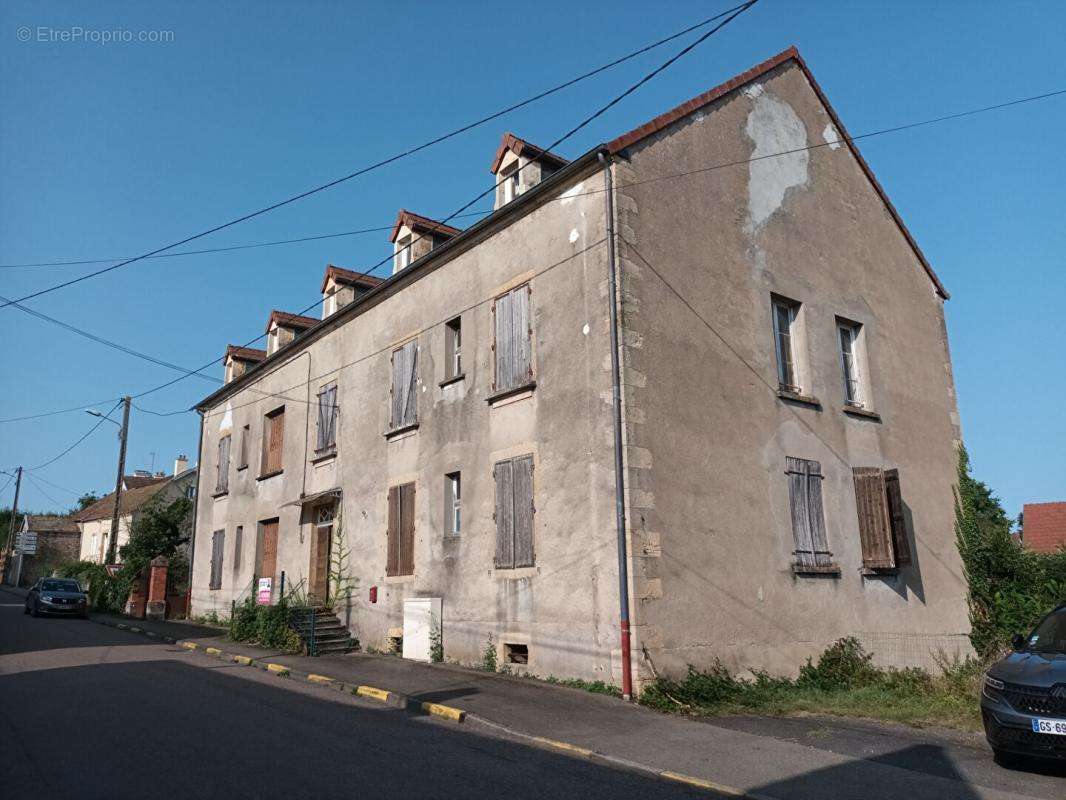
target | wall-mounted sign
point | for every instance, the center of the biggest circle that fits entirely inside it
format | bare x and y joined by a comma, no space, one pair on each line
262,596
26,542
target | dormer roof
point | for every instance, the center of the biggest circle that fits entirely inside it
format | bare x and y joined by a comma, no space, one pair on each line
348,277
286,320
245,353
420,224
520,147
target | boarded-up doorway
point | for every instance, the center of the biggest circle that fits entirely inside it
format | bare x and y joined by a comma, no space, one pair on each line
266,559
321,548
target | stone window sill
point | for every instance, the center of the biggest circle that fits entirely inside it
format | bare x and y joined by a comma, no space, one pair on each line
504,394
880,572
859,411
217,495
242,467
829,570
451,380
318,458
396,433
393,579
800,399
515,573
266,475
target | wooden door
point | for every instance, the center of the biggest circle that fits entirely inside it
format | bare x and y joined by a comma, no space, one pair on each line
268,550
319,572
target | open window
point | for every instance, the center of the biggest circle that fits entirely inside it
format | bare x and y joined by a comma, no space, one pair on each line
786,343
453,349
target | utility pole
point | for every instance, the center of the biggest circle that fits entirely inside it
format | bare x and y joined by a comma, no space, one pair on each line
112,543
11,531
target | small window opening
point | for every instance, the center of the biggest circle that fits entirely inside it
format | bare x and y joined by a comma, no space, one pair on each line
396,645
516,653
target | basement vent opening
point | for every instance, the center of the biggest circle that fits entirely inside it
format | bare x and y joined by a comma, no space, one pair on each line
516,653
396,645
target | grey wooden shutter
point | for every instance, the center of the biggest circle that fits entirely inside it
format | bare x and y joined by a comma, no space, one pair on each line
323,420
237,547
217,543
410,405
504,516
244,447
874,526
522,368
406,549
222,484
894,497
816,516
392,549
502,344
796,470
334,412
523,511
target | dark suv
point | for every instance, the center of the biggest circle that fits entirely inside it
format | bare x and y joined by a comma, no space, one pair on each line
1023,701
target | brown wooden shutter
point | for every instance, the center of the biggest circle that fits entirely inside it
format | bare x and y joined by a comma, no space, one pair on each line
521,333
407,530
277,439
523,511
502,345
816,516
268,549
894,497
875,533
504,516
392,548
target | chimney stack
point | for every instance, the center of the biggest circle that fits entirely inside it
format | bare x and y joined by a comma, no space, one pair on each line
181,463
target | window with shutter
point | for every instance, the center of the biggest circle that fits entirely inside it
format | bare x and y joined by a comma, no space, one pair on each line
898,518
400,545
403,391
218,541
273,441
452,500
514,512
808,518
327,420
222,468
875,525
512,343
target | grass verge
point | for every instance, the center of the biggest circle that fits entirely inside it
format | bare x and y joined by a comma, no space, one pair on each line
844,683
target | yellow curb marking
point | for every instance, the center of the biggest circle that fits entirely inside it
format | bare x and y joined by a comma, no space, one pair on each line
189,645
319,678
243,660
213,651
370,691
278,669
702,784
445,712
570,748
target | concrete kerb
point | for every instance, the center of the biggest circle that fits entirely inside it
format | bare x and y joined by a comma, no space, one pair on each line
456,715
122,626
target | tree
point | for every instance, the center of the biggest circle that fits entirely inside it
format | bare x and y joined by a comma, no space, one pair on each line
85,501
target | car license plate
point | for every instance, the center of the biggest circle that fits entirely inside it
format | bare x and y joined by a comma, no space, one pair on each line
1056,726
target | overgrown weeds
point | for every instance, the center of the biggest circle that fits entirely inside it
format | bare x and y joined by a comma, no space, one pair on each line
267,626
843,682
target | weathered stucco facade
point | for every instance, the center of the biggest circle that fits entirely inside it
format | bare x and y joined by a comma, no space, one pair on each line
702,255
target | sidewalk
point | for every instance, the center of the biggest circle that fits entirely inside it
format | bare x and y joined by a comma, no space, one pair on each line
758,757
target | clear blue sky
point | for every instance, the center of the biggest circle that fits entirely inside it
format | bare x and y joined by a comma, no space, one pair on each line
112,149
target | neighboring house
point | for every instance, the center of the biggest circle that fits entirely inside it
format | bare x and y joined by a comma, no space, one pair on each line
57,542
138,491
788,413
1044,526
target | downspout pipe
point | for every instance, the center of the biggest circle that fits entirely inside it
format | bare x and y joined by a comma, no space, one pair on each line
195,514
619,460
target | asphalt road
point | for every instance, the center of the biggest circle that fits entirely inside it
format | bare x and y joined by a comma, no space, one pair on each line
92,712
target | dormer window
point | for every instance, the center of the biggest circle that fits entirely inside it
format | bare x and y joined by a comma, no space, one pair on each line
342,286
329,305
519,166
283,328
403,254
509,184
241,359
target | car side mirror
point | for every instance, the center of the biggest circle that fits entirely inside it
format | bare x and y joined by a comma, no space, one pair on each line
1017,642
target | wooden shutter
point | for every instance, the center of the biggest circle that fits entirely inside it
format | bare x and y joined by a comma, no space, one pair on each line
406,555
875,532
217,543
900,542
410,398
222,477
244,447
796,470
327,419
334,412
237,547
504,516
392,547
268,549
502,344
816,515
523,511
520,336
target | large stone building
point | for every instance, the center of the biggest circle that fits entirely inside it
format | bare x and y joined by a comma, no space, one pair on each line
787,412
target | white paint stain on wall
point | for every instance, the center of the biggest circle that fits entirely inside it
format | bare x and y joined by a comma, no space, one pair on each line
831,136
585,329
226,423
574,235
571,194
775,128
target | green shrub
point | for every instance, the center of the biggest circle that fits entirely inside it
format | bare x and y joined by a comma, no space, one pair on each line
843,665
244,622
267,626
488,657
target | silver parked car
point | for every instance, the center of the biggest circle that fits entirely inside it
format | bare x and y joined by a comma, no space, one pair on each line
60,596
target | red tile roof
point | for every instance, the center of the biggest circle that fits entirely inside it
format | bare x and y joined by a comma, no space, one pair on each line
132,500
521,147
245,353
348,277
287,320
416,222
1044,526
791,54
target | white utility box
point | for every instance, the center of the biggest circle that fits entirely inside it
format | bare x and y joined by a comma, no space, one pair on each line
421,616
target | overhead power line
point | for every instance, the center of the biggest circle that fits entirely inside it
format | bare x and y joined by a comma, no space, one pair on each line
391,159
85,436
41,489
